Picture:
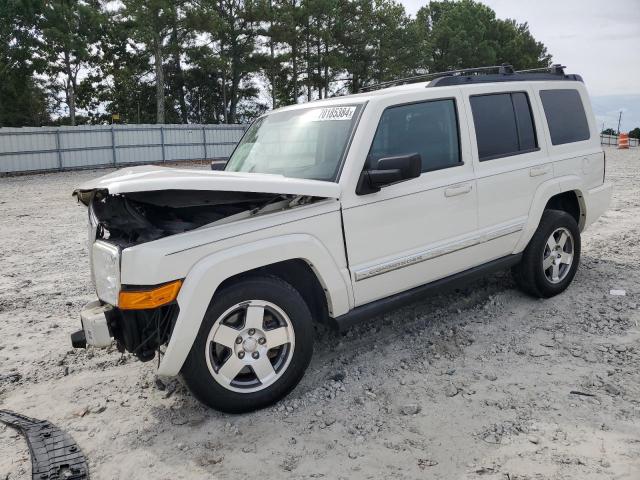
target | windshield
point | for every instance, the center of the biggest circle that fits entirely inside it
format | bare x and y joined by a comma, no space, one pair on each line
307,143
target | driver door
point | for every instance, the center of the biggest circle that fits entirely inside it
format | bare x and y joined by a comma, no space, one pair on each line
414,232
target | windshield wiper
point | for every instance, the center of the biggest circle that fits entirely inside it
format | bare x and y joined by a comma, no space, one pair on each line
257,210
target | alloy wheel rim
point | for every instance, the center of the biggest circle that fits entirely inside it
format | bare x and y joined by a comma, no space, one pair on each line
250,346
558,255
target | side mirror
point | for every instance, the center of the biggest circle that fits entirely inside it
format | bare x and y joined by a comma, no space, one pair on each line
218,164
389,170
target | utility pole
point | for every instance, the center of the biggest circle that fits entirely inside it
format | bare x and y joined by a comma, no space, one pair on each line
619,120
272,58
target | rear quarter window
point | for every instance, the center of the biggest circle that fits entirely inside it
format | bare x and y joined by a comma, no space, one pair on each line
565,116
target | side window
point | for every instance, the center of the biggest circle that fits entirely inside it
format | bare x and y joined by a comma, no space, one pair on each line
565,116
504,125
428,128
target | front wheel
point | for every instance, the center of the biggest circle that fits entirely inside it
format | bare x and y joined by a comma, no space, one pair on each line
253,347
551,259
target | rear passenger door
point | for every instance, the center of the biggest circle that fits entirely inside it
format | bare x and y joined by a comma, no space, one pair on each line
510,159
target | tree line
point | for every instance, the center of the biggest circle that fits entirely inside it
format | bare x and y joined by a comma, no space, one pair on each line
635,133
227,61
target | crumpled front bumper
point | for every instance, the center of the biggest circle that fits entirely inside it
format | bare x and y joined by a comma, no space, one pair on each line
140,332
95,326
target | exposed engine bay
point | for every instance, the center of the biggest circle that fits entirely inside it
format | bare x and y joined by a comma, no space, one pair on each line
137,217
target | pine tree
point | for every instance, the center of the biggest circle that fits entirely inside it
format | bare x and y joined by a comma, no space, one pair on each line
23,101
209,60
232,29
152,24
69,45
467,34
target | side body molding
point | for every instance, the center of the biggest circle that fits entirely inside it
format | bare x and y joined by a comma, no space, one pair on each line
544,192
205,277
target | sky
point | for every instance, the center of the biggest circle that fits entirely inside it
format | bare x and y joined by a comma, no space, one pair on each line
596,39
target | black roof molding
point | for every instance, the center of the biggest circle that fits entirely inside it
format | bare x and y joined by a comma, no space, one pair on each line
492,74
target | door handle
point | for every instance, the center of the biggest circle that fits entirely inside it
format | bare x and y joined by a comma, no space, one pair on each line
457,190
537,171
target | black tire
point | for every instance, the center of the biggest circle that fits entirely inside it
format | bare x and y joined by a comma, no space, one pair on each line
195,370
529,274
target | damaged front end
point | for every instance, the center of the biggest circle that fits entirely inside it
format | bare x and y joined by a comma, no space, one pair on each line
140,332
138,217
143,332
141,205
141,318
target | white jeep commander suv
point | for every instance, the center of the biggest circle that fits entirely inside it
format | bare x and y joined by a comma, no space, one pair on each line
334,211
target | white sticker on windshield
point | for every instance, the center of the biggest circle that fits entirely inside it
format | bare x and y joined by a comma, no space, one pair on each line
335,113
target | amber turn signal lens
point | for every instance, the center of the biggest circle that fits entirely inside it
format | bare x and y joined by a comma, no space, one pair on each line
146,299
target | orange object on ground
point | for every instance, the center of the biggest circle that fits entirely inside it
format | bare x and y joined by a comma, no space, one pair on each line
623,141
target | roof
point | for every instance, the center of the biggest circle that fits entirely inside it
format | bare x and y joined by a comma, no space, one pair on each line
493,74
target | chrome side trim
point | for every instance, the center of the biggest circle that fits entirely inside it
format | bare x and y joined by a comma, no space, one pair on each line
430,254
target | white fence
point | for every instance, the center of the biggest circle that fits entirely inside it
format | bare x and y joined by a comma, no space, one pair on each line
613,140
66,148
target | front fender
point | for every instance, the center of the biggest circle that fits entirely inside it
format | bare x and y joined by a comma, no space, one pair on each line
205,277
544,192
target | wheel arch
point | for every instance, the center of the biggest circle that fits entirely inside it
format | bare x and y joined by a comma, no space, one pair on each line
572,202
563,193
294,258
297,273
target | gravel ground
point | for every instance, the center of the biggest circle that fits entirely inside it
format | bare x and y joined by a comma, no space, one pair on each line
478,383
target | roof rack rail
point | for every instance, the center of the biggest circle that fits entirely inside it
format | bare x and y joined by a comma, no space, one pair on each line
556,69
495,73
504,68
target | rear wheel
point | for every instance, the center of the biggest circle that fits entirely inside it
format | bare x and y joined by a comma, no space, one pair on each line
253,347
551,259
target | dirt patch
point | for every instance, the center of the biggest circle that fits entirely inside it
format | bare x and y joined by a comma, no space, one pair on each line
474,384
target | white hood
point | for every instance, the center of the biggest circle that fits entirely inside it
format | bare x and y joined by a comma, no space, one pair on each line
150,178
